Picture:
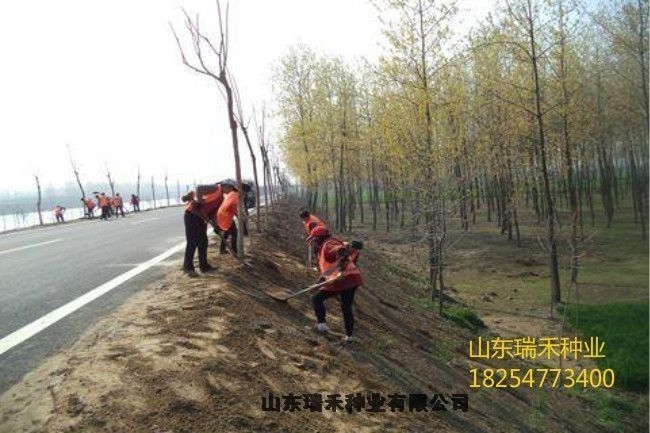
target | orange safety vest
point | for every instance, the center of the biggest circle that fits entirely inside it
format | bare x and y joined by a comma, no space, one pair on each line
103,201
211,202
227,210
90,204
328,265
117,201
311,222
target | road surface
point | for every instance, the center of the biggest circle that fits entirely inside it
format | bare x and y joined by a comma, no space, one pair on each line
45,269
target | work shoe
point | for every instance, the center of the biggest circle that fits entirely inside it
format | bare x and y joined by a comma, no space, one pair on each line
322,327
208,268
190,273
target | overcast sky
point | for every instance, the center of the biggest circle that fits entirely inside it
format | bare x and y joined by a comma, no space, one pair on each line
106,78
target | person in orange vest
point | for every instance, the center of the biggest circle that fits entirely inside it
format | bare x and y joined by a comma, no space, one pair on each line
337,262
90,206
135,202
226,217
58,213
118,204
310,222
201,208
104,205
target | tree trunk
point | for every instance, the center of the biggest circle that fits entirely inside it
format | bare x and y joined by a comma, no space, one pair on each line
552,245
257,185
38,203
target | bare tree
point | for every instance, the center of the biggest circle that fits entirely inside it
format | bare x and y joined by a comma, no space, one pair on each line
76,175
178,191
137,186
201,43
153,193
111,183
244,127
38,203
167,189
265,162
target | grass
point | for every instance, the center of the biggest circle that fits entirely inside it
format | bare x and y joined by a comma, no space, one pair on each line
623,326
463,317
612,408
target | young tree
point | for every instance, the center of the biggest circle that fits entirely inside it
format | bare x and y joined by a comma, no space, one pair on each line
221,75
153,193
38,203
111,184
167,189
73,164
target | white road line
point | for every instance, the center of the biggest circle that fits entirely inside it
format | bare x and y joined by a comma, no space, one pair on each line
144,221
13,250
54,316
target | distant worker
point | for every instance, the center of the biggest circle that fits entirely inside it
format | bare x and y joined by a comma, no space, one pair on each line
135,202
201,208
105,206
118,204
58,213
310,222
226,216
110,206
90,207
337,261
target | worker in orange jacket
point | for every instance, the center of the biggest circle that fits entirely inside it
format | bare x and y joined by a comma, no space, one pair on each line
104,205
201,208
118,204
90,206
226,216
58,213
311,221
337,262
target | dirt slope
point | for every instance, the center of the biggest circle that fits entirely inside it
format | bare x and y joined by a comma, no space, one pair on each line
198,355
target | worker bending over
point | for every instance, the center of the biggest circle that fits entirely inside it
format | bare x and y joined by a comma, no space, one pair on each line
202,207
337,263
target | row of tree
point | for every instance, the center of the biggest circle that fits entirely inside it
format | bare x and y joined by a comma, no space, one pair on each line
111,185
542,107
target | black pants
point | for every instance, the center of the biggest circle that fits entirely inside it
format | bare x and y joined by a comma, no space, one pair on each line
59,219
106,212
91,213
118,210
197,238
347,298
230,234
136,208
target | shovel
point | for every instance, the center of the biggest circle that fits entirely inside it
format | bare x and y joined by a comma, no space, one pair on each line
286,297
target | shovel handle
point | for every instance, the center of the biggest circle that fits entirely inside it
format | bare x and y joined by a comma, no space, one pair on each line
313,287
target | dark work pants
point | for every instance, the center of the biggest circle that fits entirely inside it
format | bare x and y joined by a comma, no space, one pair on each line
231,234
197,238
118,210
106,212
347,297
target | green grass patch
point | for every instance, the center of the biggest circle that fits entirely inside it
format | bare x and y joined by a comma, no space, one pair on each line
623,326
463,317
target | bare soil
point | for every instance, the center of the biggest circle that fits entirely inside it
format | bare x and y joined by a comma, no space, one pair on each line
198,355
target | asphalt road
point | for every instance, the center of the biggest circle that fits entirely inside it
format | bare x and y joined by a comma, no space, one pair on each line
43,269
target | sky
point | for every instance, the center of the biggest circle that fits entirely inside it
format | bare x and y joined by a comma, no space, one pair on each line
106,79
